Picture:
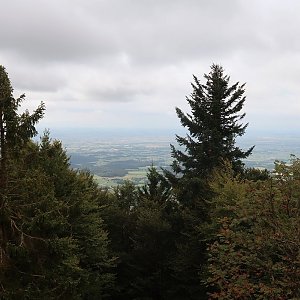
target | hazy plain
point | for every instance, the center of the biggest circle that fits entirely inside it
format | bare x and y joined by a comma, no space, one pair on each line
113,158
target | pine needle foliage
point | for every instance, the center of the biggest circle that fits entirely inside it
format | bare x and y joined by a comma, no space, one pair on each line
213,124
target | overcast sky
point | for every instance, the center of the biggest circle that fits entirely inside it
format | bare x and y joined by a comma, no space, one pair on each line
128,63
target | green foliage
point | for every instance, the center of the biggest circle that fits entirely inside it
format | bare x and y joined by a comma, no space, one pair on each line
140,224
256,253
55,240
213,125
254,174
158,188
15,129
52,241
118,212
209,226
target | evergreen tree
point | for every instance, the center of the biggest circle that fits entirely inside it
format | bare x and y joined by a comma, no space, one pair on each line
119,215
55,245
140,224
213,125
153,239
15,129
157,187
52,242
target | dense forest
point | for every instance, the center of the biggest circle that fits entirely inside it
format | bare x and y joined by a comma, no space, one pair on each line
208,229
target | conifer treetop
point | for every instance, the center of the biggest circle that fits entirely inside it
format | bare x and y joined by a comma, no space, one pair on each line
213,125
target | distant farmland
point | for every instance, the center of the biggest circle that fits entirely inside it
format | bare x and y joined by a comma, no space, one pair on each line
113,161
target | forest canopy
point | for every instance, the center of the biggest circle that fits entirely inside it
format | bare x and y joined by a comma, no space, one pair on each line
208,229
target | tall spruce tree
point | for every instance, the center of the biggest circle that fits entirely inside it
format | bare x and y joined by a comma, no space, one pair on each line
213,125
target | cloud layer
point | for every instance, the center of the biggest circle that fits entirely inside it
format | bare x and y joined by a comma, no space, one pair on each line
127,64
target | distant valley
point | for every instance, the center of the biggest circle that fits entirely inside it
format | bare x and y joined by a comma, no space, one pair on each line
115,159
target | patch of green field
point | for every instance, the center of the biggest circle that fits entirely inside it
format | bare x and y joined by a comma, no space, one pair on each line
137,176
137,173
104,181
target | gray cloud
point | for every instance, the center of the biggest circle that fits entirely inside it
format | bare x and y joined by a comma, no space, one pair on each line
136,57
148,31
52,31
115,94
